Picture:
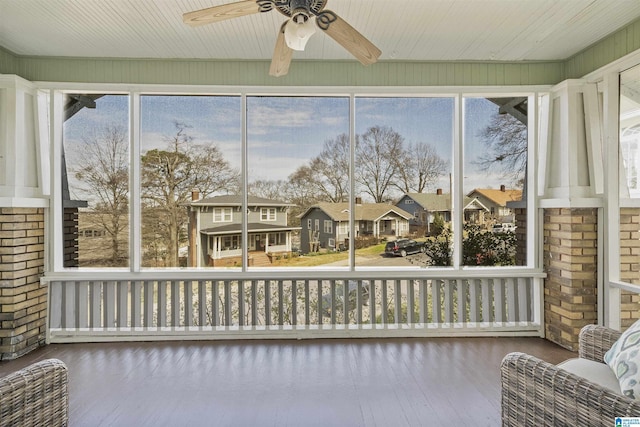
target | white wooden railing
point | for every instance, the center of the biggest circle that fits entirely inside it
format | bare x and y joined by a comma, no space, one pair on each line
99,309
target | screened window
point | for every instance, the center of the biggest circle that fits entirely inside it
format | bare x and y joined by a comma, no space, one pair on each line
222,215
268,214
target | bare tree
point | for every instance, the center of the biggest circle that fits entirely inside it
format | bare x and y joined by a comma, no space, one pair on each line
418,168
377,152
104,178
274,190
505,138
169,176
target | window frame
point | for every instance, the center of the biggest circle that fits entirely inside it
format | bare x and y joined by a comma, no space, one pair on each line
223,215
57,90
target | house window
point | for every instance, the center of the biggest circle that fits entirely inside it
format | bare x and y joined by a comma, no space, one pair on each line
328,226
267,214
317,223
309,224
222,214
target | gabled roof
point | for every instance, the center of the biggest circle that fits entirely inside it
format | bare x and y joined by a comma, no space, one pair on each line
364,211
499,197
236,200
437,202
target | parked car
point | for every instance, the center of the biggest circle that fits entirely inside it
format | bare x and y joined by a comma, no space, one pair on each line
504,227
403,247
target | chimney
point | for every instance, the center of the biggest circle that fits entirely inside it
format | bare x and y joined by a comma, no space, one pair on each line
503,188
358,200
195,195
439,192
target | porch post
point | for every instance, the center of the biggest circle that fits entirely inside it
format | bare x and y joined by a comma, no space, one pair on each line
23,202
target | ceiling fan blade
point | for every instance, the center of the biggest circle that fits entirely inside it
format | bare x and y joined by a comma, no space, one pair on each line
220,13
348,37
281,55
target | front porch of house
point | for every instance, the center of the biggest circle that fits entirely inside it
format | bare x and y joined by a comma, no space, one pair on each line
344,382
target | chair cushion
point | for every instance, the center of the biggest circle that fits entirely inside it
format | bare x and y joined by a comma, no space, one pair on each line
590,370
624,360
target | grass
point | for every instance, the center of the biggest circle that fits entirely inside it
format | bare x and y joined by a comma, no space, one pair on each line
312,260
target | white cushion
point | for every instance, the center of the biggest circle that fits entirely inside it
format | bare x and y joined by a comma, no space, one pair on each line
596,372
624,360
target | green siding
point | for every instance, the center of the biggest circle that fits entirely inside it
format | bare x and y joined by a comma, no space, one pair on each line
7,62
302,73
609,49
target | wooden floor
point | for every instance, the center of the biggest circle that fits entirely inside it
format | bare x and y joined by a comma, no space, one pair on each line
395,382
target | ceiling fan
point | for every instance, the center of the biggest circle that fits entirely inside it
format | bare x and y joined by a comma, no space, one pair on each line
296,30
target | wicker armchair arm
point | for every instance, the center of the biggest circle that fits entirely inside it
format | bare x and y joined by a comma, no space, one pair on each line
595,341
536,393
36,395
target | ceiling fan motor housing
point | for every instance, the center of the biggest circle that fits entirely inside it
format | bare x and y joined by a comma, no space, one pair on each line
297,7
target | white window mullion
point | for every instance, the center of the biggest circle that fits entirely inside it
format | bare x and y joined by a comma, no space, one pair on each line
456,180
56,244
135,225
245,185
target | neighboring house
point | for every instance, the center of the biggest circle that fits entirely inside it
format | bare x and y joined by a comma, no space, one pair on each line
424,207
216,227
326,225
496,201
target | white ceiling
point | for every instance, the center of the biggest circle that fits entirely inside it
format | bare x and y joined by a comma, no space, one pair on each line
412,30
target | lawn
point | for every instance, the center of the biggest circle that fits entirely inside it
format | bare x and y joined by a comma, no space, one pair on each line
312,260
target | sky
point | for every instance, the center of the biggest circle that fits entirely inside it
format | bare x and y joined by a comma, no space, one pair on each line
284,133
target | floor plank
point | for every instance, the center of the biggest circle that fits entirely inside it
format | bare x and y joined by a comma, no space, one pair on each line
394,382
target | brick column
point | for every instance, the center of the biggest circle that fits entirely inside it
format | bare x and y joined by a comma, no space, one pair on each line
570,260
629,264
23,301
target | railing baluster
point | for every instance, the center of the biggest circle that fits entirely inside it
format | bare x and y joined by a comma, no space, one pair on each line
499,300
241,303
109,291
122,304
372,302
175,303
474,308
410,302
188,302
136,304
228,321
512,301
149,287
55,304
267,303
307,303
345,302
215,303
524,300
67,305
461,312
332,291
294,302
320,302
162,303
254,303
360,286
436,300
280,303
448,301
202,303
423,302
384,304
397,291
82,304
487,301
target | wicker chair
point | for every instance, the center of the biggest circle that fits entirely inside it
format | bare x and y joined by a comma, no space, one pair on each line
35,396
537,393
